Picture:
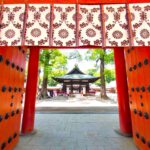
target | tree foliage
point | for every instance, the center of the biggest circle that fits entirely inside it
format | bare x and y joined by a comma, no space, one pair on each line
109,75
97,54
55,73
52,62
101,58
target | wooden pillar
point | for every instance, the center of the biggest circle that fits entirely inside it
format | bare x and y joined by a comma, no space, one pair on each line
88,87
122,90
79,88
31,89
71,87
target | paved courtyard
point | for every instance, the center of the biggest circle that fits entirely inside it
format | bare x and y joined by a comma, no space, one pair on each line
78,103
76,132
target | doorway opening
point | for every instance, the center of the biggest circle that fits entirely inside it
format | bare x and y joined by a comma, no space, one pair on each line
77,80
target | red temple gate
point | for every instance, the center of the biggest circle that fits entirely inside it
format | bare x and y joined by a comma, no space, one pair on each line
12,66
124,27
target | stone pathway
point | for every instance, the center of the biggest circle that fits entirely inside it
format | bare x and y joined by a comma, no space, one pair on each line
76,132
88,103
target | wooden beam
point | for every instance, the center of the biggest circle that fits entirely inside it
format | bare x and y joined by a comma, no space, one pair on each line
103,25
77,25
24,24
129,21
51,26
73,1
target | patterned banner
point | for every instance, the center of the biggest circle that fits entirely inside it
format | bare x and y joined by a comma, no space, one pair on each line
116,27
64,25
90,25
38,25
140,24
12,25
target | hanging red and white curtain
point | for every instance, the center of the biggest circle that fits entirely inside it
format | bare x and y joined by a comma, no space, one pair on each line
75,25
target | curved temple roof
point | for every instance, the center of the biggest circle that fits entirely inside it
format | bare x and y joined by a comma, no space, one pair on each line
76,75
75,25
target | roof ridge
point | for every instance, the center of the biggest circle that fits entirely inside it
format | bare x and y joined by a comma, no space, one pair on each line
75,70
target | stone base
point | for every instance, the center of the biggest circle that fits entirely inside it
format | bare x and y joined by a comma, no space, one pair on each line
122,134
29,134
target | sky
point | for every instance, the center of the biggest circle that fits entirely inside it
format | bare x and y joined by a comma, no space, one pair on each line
83,65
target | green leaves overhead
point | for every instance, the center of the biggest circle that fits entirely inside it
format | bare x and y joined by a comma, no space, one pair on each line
51,57
98,54
52,61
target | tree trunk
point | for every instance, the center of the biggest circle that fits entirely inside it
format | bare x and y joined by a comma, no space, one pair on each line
103,83
44,87
43,92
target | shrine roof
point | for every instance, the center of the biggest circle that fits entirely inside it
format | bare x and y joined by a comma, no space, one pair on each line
76,74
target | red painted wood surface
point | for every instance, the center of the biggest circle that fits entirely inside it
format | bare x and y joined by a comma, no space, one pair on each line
73,1
138,69
11,89
131,80
103,32
31,88
122,89
130,31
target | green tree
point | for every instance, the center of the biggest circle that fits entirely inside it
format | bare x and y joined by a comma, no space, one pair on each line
92,71
55,73
109,75
101,57
50,60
